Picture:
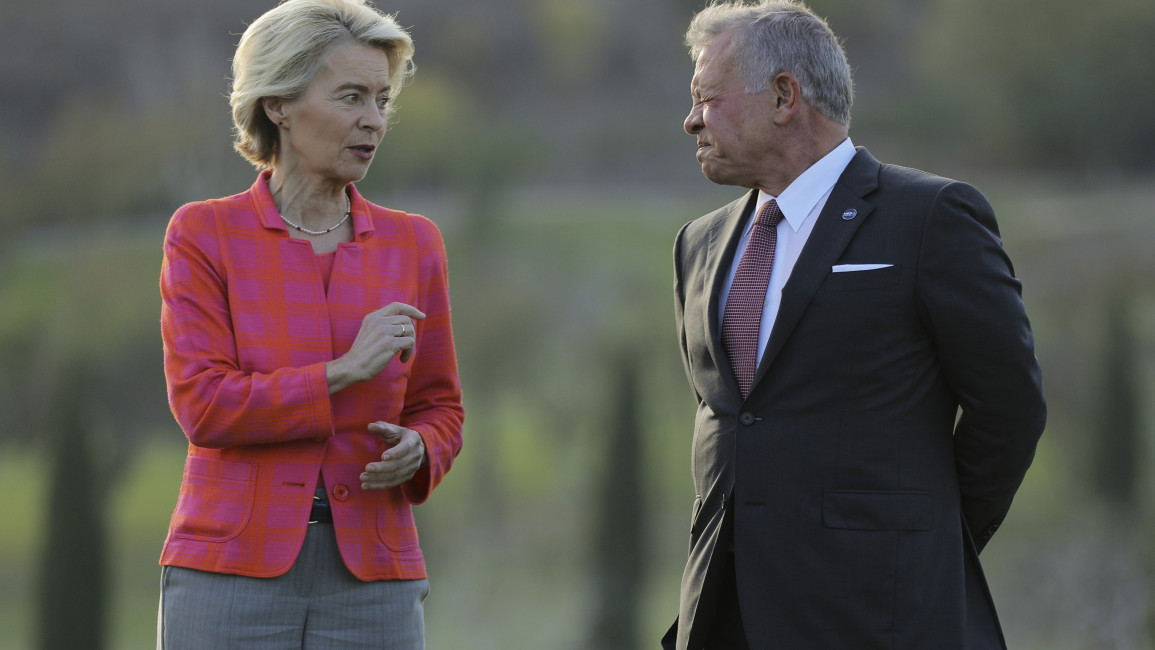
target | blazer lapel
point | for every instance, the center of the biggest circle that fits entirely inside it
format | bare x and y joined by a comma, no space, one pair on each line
724,238
831,234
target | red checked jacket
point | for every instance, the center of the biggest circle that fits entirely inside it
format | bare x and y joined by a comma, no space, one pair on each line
247,326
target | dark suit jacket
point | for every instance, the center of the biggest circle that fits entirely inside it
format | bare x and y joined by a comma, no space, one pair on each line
859,502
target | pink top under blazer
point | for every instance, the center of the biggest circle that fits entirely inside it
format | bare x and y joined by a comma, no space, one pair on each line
248,325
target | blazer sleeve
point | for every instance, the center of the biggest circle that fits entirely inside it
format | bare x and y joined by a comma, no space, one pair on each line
216,403
972,303
433,394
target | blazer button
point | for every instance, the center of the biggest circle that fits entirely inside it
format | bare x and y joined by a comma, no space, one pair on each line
746,418
340,492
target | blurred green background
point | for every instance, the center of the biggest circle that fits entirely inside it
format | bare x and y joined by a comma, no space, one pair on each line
544,137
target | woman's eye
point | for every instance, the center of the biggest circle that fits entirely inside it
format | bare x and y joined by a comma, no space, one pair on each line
382,102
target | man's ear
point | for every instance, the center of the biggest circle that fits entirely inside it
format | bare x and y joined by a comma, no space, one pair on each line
788,96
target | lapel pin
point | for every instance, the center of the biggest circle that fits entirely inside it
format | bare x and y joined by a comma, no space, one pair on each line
850,214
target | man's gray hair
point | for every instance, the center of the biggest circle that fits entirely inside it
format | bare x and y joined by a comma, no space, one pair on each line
778,36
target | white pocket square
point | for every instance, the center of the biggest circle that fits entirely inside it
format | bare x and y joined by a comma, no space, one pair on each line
847,268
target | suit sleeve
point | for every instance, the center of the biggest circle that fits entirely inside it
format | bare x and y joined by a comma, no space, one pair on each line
680,305
433,394
972,302
216,403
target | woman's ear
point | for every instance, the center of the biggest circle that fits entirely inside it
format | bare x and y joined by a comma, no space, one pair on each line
274,109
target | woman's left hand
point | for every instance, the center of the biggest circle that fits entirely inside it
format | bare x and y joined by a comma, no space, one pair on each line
406,455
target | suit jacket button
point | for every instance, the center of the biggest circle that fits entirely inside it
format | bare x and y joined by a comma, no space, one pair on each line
340,492
746,418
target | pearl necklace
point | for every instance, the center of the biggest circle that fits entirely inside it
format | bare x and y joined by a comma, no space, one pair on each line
348,211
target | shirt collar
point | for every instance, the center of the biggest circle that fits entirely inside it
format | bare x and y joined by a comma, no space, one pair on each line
271,218
797,201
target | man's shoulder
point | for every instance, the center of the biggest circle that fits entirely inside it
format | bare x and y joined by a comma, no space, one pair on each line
913,181
922,192
892,173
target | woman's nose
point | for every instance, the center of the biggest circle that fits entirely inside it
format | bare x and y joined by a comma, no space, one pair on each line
374,119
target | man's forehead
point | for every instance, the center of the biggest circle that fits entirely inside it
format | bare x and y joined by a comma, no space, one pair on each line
717,50
713,63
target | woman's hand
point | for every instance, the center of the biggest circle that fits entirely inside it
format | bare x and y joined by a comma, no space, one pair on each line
383,334
406,455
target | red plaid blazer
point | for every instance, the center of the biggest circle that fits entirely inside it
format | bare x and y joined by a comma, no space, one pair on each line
247,327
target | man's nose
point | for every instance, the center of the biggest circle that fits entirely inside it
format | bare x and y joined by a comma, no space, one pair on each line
693,123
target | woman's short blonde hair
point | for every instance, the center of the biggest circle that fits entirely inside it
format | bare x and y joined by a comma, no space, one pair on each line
283,50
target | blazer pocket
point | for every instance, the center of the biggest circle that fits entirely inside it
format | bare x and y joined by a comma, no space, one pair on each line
216,499
858,280
395,526
877,510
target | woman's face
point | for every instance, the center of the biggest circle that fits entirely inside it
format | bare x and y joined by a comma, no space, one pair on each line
331,132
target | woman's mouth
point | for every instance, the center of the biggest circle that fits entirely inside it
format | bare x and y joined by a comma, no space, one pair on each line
363,151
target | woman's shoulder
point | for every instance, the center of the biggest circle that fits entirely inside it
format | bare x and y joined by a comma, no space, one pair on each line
393,220
208,213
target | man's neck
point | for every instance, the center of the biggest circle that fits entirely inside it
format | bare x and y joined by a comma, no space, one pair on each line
811,146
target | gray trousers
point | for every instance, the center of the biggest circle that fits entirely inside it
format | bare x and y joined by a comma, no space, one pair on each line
316,605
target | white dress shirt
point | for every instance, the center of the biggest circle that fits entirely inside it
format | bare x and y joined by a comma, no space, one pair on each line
800,204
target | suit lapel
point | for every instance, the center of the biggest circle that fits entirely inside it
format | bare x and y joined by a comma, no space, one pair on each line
831,234
724,237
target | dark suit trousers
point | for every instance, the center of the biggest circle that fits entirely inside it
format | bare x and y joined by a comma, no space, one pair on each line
720,611
726,631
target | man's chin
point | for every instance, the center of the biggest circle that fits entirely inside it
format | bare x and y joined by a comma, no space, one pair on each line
714,176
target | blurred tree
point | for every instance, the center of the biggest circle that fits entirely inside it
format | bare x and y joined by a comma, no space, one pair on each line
619,558
73,564
80,351
1118,442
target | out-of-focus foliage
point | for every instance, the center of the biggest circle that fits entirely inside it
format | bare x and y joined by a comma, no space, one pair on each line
91,303
571,33
436,144
543,90
1064,85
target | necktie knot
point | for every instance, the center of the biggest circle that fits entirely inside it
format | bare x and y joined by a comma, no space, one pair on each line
770,215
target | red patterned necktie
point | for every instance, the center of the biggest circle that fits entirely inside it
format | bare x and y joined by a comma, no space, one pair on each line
743,315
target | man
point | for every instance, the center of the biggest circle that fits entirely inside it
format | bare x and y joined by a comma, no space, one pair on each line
833,321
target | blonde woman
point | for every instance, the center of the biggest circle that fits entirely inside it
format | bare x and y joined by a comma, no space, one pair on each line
309,358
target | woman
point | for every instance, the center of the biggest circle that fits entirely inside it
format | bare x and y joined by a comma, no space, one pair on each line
309,358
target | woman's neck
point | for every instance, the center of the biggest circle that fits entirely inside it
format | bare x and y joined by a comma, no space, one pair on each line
309,203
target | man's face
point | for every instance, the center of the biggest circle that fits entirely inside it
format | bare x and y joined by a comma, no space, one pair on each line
735,130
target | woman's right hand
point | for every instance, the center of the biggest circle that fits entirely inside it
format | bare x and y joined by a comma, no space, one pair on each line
384,333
